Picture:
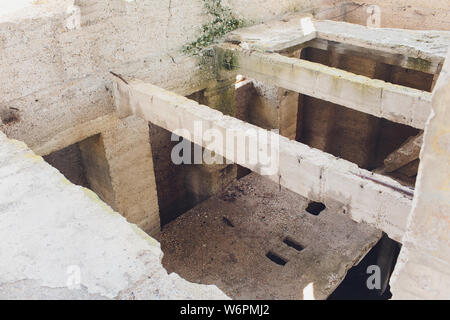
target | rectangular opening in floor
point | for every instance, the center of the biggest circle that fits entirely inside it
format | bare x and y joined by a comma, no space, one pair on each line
276,258
293,244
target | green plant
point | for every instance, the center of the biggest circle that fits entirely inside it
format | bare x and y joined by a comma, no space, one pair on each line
222,21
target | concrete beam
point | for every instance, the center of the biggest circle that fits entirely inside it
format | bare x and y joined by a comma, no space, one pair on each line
392,58
413,49
418,50
381,99
377,200
407,153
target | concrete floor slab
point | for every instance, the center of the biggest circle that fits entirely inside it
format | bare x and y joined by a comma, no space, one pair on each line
225,240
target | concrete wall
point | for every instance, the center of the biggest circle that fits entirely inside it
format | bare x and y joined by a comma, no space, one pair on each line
56,88
70,163
54,72
424,263
405,14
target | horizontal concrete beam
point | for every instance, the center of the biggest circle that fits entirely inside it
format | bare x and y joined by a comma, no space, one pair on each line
392,58
418,50
423,50
381,99
406,153
375,199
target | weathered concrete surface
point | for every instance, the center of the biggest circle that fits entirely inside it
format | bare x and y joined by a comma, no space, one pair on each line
51,229
129,161
422,50
263,10
56,55
108,144
405,14
69,162
340,184
273,108
407,153
203,248
379,98
349,134
418,50
423,270
276,35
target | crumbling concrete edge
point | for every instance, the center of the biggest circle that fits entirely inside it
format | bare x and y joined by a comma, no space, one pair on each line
54,231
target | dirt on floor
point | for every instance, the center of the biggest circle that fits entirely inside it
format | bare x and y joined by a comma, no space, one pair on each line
257,241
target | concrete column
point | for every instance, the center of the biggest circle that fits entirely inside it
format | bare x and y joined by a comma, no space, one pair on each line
288,107
423,268
288,112
205,180
120,170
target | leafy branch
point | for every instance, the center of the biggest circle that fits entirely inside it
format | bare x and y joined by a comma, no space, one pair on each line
222,22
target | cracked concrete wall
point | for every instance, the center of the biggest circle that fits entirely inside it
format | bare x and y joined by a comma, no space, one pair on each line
56,57
422,271
55,85
405,14
60,241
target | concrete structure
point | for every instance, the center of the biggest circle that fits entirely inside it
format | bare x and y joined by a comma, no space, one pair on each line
350,104
313,174
60,241
423,271
276,222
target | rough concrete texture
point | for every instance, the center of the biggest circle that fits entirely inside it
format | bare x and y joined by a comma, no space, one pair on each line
365,196
349,134
54,231
271,107
418,47
56,55
276,35
424,263
405,14
379,98
129,159
407,153
55,87
181,186
423,50
69,162
224,241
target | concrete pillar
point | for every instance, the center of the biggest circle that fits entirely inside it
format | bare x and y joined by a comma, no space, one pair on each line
288,106
120,170
221,95
205,180
423,268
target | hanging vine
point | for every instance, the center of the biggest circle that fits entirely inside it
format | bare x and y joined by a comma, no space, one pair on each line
222,21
